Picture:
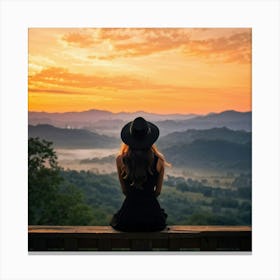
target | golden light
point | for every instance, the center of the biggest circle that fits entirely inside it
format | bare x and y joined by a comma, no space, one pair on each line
165,70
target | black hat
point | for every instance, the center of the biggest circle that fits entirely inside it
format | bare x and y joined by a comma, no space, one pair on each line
139,134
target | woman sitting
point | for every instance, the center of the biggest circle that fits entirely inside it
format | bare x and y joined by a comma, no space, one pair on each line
140,168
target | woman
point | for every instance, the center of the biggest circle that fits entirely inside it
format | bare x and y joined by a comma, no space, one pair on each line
140,168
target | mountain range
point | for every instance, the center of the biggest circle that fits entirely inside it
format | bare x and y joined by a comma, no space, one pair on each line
231,119
86,118
216,148
105,122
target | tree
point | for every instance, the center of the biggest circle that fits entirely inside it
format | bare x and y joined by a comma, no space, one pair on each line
51,200
43,180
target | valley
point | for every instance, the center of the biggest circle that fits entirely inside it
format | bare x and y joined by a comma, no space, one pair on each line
208,182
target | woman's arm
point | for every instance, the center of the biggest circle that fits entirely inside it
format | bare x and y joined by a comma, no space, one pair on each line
160,169
119,163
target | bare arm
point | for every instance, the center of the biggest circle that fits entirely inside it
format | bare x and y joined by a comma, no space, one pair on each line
119,169
160,169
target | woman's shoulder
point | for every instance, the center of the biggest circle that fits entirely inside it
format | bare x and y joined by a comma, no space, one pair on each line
159,162
119,158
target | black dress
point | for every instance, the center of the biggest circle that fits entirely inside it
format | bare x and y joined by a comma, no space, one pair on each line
141,210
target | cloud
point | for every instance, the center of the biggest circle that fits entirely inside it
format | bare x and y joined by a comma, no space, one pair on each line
57,91
60,80
79,39
111,43
56,77
146,41
128,42
135,42
234,48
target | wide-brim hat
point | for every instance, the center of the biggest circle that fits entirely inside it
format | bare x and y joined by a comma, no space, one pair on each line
139,134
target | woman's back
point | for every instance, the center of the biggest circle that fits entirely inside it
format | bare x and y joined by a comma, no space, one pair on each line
140,170
148,186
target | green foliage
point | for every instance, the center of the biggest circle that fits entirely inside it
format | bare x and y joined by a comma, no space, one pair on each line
69,208
68,197
188,201
51,201
102,193
43,180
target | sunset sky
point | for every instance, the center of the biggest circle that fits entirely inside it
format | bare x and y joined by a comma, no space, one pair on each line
159,70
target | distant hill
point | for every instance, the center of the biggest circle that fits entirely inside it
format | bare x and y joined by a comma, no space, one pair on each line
226,116
218,148
231,119
105,122
210,154
96,118
108,159
217,133
72,138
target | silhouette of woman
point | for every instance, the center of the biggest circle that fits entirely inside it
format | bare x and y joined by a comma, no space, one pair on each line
140,168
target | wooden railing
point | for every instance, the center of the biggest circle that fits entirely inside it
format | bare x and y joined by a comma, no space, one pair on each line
173,238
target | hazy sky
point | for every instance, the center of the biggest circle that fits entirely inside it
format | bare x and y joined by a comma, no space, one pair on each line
161,70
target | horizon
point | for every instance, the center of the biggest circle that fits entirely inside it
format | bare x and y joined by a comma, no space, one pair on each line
133,112
161,70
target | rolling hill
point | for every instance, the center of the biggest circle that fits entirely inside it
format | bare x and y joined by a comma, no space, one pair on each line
72,138
231,119
210,154
217,133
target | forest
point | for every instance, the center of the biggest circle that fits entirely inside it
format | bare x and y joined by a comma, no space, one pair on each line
58,196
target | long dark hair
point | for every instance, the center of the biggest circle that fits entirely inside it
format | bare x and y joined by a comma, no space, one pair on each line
138,164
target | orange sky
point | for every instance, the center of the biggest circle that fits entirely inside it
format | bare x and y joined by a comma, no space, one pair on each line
160,70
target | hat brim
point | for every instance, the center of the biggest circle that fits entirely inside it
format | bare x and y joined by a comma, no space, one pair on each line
144,143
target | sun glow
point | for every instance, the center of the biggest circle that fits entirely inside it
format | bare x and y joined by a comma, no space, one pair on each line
165,70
